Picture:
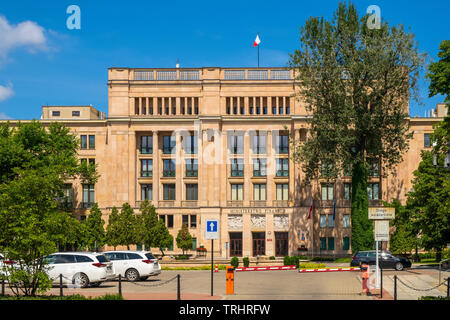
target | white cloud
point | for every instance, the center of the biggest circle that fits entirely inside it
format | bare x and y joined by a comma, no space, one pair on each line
3,116
6,92
26,34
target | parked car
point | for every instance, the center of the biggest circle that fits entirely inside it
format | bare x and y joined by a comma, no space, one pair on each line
80,268
386,260
4,264
134,265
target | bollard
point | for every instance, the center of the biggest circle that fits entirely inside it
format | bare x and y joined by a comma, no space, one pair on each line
381,283
395,287
3,287
448,287
178,288
365,278
230,280
60,285
120,284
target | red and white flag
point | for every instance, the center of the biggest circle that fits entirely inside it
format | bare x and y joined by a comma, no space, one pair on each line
257,41
310,211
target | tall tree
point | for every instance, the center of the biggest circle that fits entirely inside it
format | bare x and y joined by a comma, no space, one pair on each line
439,73
355,83
113,229
184,238
161,236
127,226
95,230
149,222
404,236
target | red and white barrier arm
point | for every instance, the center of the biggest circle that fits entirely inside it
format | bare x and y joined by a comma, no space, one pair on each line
330,269
265,268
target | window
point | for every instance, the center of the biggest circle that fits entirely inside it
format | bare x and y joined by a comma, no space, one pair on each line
330,221
133,256
372,191
250,105
288,106
237,144
259,144
66,201
194,243
88,195
83,259
168,144
168,168
169,191
259,167
282,143
146,167
91,142
191,192
83,142
146,192
185,220
374,168
346,243
327,191
274,105
326,169
426,140
237,167
323,221
191,168
170,221
280,105
323,243
259,192
347,191
237,192
331,243
190,146
75,113
193,221
346,221
282,191
235,244
282,167
56,113
146,144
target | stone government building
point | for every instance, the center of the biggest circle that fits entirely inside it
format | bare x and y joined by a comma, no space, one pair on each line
213,142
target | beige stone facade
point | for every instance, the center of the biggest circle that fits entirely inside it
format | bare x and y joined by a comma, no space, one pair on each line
232,126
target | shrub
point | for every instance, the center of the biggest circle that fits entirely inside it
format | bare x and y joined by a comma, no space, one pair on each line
246,261
272,258
182,257
322,259
310,265
234,262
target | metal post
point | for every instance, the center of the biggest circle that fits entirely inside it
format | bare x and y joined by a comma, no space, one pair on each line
448,287
60,285
381,287
178,288
212,269
377,278
395,287
120,284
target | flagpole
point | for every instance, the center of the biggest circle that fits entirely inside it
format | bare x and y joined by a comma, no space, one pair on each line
258,50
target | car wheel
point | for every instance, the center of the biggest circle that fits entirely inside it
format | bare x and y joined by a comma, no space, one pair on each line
144,278
80,279
132,275
399,266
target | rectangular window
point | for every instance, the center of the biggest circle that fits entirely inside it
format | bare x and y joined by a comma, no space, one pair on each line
168,191
146,192
331,243
169,168
373,191
91,142
237,144
75,113
185,220
282,167
346,243
146,144
330,221
194,243
323,243
259,167
56,113
83,142
323,221
193,221
374,168
190,146
170,221
191,191
327,191
274,105
237,167
191,168
288,105
88,195
259,144
347,191
326,169
168,144
235,244
282,191
346,221
259,192
237,193
282,143
426,140
146,167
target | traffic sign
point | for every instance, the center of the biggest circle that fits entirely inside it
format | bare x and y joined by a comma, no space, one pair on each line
212,229
381,230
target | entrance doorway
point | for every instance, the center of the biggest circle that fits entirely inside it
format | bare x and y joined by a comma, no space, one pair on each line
235,244
259,244
281,244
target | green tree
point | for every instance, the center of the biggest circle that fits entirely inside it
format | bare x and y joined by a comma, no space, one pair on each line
404,236
161,237
35,162
127,226
184,239
355,83
95,230
439,73
113,229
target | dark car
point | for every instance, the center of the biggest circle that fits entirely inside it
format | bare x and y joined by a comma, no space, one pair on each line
386,260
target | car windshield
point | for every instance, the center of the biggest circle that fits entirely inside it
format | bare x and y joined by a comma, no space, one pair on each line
101,258
149,256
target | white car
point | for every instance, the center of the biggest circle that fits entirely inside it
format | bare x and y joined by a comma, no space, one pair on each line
4,264
134,265
79,268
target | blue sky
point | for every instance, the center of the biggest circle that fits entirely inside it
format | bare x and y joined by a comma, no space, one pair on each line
43,62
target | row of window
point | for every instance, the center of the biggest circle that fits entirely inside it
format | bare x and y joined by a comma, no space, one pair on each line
329,220
257,105
327,243
327,191
57,113
87,141
166,106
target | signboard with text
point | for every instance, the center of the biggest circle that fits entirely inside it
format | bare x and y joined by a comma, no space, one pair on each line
381,213
381,230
